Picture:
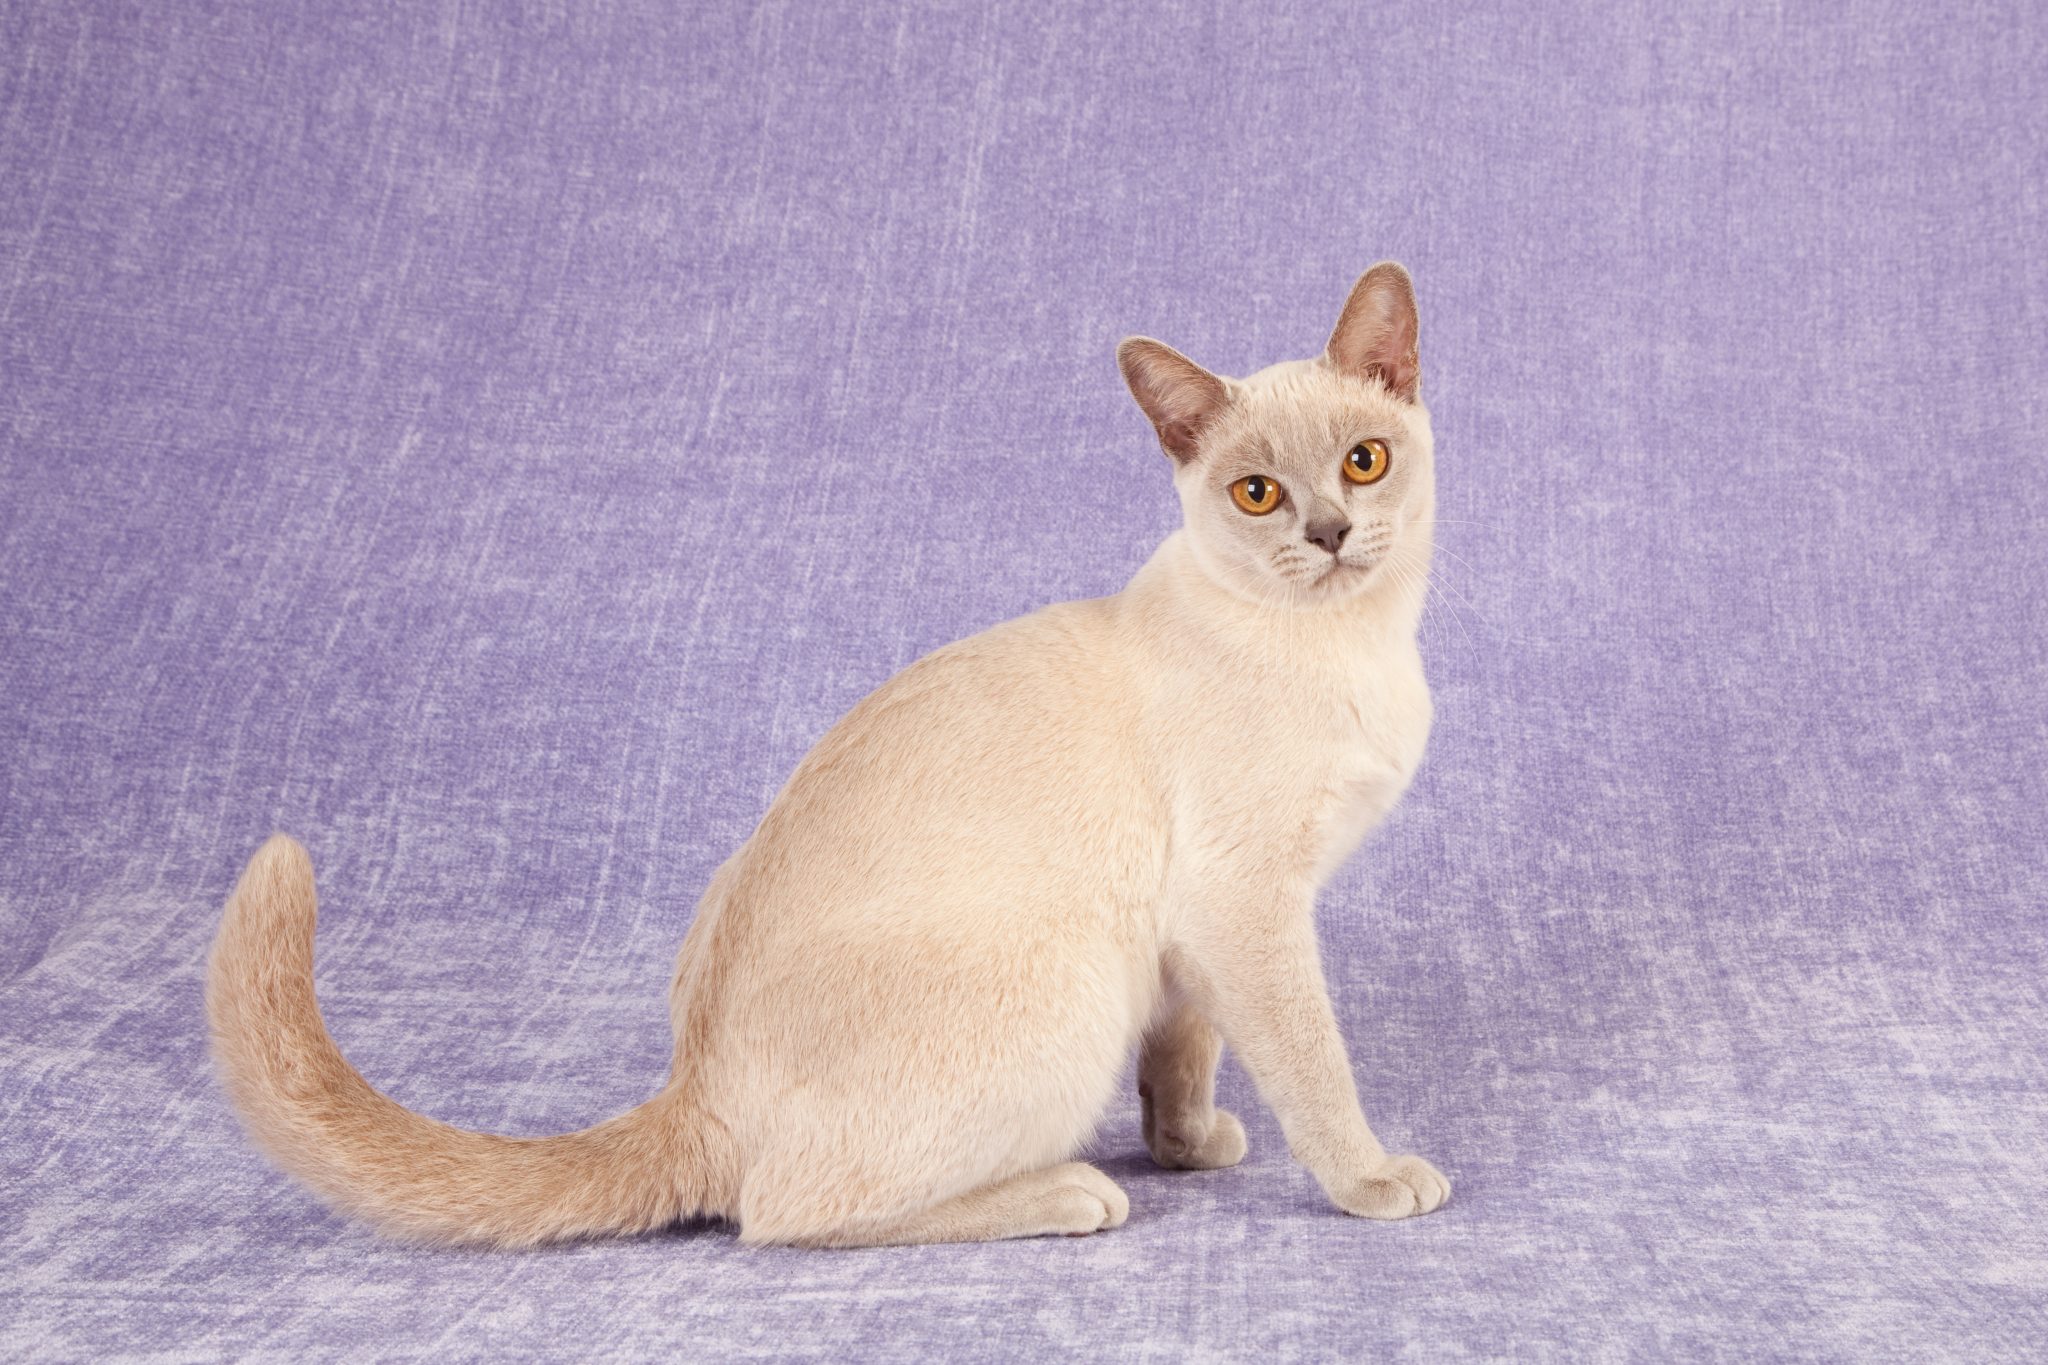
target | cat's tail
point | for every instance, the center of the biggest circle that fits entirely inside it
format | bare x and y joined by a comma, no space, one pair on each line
368,1155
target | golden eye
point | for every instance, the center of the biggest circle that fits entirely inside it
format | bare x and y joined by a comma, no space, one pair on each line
1257,495
1368,462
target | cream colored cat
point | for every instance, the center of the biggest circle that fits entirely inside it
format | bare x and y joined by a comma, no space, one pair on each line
905,1002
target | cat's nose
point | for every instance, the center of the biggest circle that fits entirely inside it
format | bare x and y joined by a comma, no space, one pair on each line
1329,535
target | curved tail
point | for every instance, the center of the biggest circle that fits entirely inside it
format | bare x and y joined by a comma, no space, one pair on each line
368,1155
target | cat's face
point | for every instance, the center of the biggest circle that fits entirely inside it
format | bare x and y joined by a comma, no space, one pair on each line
1310,481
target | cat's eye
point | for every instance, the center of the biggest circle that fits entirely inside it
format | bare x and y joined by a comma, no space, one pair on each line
1256,495
1367,462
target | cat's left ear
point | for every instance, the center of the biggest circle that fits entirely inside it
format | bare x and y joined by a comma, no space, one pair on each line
1375,336
1178,395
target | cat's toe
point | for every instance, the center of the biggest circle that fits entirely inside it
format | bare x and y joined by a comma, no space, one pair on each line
1106,1205
1402,1187
1227,1144
1432,1190
1075,1212
1190,1145
1224,1146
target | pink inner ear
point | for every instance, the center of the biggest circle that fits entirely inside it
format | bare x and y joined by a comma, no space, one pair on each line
1179,396
1375,337
1179,438
1401,375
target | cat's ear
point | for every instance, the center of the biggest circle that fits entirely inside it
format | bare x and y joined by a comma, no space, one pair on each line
1375,336
1180,397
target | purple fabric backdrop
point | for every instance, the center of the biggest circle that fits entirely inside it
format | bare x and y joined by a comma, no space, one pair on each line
493,446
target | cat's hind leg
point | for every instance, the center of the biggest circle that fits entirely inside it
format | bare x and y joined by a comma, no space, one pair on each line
1072,1199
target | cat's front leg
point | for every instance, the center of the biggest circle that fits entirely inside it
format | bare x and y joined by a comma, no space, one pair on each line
1253,968
1177,1089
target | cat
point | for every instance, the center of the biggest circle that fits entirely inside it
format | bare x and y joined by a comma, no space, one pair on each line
906,1001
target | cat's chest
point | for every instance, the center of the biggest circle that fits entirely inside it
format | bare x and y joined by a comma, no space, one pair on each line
1313,760
1375,729
1374,745
1368,716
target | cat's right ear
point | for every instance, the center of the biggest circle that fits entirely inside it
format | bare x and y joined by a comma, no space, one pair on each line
1180,397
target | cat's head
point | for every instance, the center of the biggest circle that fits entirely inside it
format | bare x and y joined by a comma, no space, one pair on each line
1310,481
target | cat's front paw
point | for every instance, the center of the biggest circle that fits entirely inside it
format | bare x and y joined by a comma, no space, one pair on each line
1402,1187
1190,1142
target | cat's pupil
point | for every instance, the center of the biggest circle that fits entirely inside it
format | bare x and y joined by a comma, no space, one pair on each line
1256,490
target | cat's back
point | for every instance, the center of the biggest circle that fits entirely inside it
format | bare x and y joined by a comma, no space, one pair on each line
996,769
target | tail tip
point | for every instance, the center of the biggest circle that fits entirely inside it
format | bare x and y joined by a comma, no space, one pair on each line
282,865
282,853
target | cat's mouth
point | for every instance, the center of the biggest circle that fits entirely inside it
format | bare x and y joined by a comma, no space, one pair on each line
1341,578
1348,570
1335,575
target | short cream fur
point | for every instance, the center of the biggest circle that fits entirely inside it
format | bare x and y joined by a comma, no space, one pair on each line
906,1001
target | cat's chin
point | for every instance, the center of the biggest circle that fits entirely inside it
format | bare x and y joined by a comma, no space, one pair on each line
1337,585
1342,581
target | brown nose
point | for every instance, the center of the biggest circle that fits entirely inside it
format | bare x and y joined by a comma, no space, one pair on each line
1327,534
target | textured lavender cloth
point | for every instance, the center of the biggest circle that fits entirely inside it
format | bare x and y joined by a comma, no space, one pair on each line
492,445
